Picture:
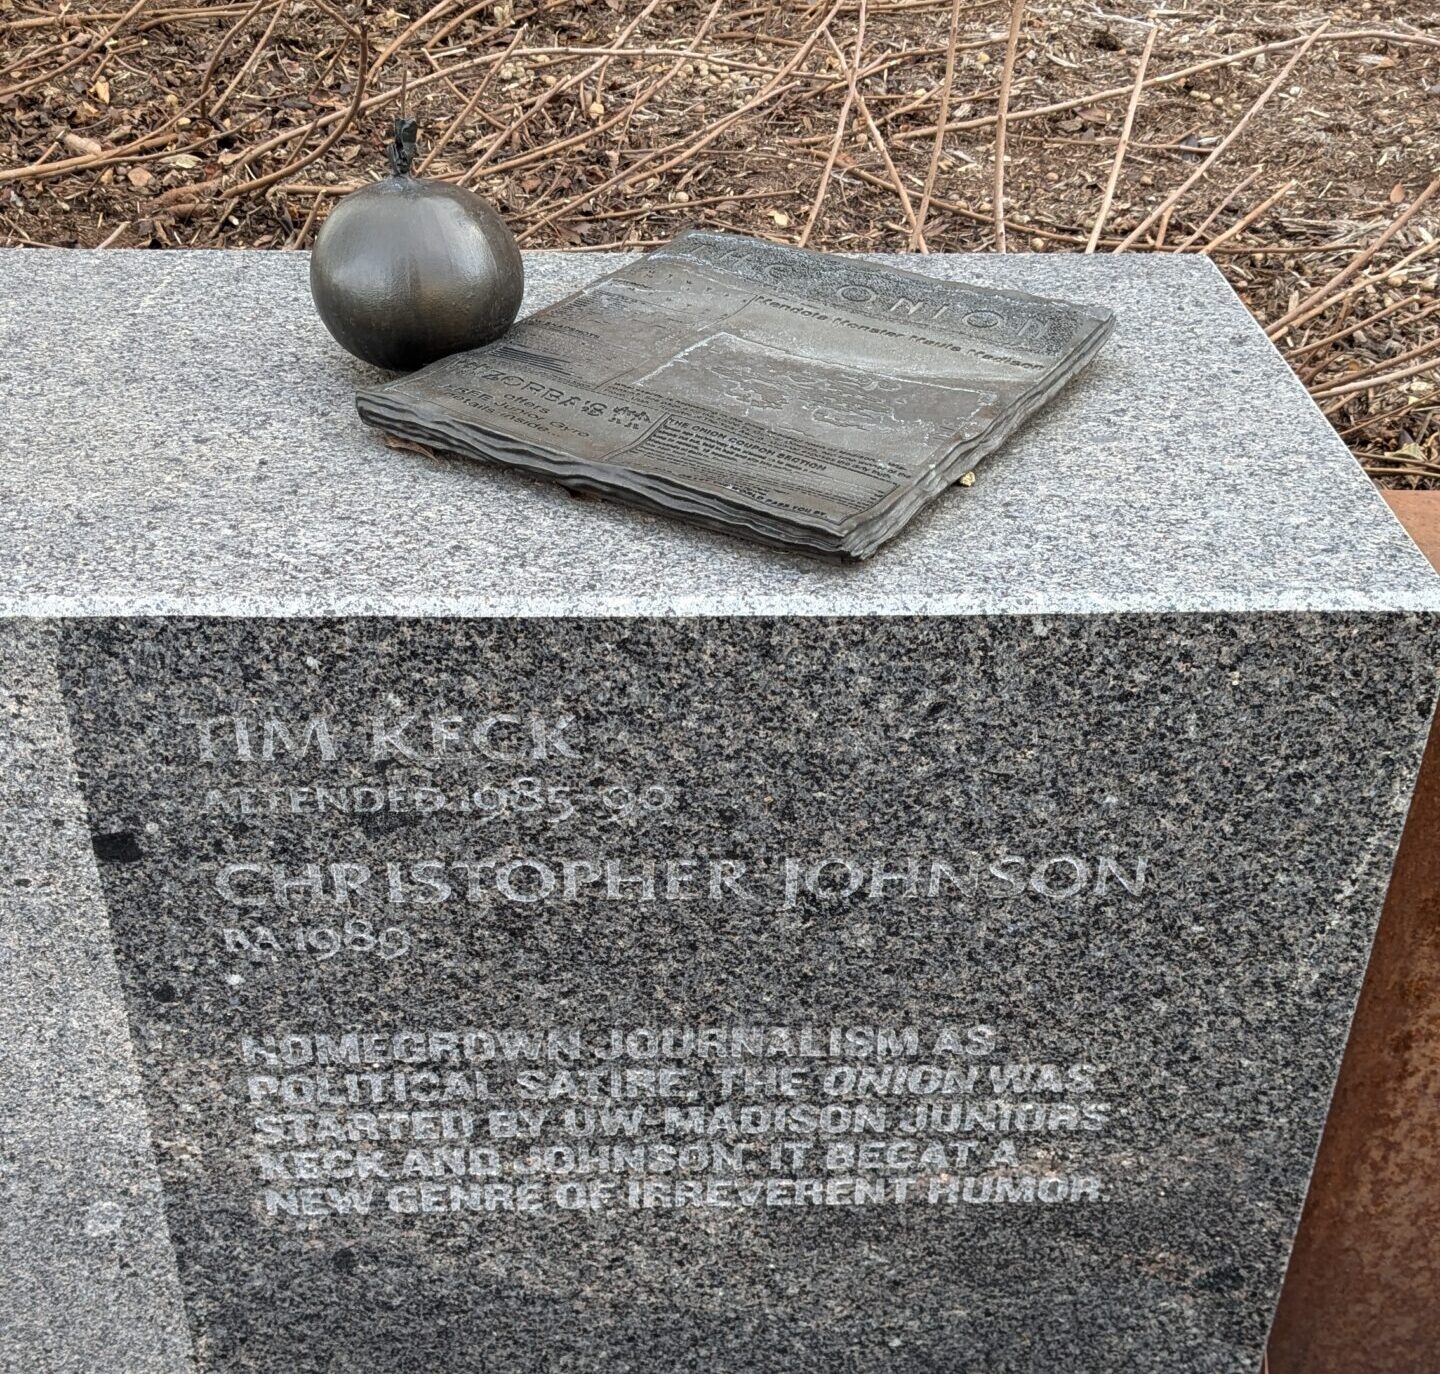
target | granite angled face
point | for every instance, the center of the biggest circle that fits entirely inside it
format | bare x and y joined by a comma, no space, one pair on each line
907,994
702,960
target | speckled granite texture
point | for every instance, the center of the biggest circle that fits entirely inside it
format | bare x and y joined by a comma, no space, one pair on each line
1257,765
178,435
1054,839
88,1271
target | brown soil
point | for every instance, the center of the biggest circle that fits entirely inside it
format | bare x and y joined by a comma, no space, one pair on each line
615,124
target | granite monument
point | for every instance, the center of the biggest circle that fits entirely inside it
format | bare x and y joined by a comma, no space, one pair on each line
447,925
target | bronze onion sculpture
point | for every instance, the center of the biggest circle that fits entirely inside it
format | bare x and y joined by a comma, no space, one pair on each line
408,269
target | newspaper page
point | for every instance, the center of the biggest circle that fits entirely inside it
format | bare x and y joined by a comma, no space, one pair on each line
801,398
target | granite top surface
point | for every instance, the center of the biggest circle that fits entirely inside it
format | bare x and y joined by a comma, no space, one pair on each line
178,435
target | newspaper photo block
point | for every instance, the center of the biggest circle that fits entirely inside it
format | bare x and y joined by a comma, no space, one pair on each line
807,401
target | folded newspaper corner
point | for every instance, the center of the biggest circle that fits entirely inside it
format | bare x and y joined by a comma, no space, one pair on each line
809,402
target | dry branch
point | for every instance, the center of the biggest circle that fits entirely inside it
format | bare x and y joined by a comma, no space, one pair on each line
1007,75
851,70
290,168
946,86
777,86
1294,354
1168,78
1372,381
97,46
878,139
469,107
213,113
560,87
1238,190
1344,293
223,46
1122,147
1249,218
1318,299
1218,151
1379,373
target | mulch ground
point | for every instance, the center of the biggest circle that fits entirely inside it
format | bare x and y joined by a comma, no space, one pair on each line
1301,155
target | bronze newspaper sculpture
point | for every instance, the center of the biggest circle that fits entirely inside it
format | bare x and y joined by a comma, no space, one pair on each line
807,401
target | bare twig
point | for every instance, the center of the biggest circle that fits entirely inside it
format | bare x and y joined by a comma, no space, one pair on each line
41,171
778,85
450,25
1218,150
248,65
878,139
325,7
1123,146
1007,75
560,87
73,20
1371,421
1240,189
470,105
371,102
1168,78
842,124
297,240
223,46
946,86
97,46
455,21
548,151
1294,354
1247,219
1291,320
404,36
1305,308
1379,374
686,207
263,183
